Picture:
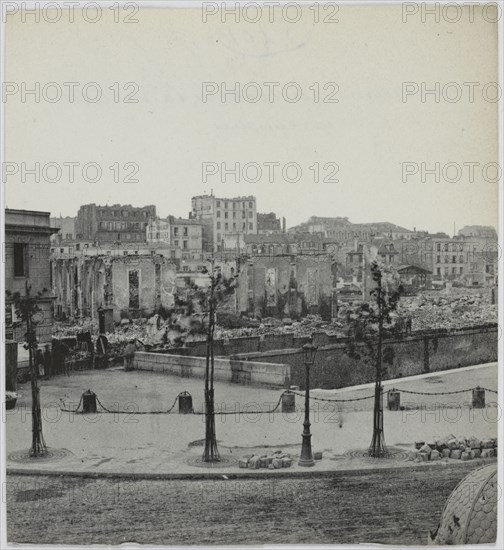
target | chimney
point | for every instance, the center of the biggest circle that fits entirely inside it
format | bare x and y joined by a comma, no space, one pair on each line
283,225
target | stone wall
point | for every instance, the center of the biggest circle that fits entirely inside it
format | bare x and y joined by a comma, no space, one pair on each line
226,369
416,354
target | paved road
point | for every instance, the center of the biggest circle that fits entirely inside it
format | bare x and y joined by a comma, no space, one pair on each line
393,507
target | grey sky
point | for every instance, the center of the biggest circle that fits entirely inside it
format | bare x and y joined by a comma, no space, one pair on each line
170,131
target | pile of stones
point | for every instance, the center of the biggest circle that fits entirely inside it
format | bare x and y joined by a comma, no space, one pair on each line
458,448
277,460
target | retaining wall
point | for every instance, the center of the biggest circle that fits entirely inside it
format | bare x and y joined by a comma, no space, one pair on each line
416,354
225,368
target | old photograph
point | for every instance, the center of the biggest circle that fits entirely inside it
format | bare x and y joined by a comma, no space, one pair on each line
250,279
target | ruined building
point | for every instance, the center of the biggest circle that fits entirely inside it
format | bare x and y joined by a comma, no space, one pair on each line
278,279
134,286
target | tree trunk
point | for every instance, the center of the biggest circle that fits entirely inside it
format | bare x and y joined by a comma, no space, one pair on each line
211,453
377,449
38,444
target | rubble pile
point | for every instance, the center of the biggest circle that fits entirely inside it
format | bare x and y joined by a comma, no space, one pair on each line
304,327
457,448
456,308
277,460
433,310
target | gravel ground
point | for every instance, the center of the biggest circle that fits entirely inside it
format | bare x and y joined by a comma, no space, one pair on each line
391,507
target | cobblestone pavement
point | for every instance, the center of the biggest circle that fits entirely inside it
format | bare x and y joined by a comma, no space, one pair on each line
392,507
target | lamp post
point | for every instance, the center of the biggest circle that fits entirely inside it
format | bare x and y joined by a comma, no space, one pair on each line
306,459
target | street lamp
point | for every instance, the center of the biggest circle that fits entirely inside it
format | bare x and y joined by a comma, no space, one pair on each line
309,351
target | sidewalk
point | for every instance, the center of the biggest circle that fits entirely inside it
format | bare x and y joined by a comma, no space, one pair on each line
171,444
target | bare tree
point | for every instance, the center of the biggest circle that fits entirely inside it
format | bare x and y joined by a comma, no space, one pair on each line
368,326
216,294
27,308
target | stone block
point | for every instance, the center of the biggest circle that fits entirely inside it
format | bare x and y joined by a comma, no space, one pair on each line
424,457
277,463
264,462
286,462
317,455
452,444
254,463
477,453
271,467
456,454
419,444
413,455
466,455
474,443
435,455
487,453
426,449
243,463
487,444
446,453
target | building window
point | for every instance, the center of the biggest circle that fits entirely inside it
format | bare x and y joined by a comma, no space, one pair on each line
184,244
175,231
439,259
218,225
218,204
250,205
244,226
454,270
250,213
439,271
218,237
461,270
176,243
226,226
134,289
234,226
185,231
226,205
454,259
77,247
218,213
234,214
20,260
225,215
251,226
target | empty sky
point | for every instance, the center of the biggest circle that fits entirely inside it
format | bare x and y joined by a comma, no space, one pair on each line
170,131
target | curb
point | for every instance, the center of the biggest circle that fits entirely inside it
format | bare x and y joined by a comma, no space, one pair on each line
252,474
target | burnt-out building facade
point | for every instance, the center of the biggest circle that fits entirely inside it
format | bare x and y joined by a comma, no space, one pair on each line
122,223
280,278
134,286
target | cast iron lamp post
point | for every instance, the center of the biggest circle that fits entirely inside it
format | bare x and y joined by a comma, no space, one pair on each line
309,351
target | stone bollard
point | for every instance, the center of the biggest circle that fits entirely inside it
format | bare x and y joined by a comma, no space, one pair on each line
89,402
394,400
288,402
478,398
185,403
